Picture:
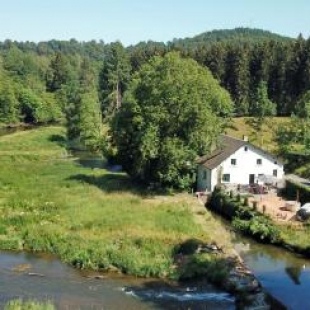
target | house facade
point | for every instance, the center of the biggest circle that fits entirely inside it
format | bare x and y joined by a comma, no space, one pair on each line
237,162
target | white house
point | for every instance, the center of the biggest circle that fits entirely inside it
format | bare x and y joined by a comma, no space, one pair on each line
237,162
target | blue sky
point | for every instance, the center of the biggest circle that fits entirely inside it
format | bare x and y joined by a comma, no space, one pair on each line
131,21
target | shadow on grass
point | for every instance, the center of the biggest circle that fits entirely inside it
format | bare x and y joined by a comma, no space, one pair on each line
59,139
113,182
94,162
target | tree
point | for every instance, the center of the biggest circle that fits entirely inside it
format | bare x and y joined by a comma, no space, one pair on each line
173,111
83,112
9,109
58,73
114,78
303,114
237,78
261,105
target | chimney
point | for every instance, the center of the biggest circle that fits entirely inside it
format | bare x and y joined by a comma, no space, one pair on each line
245,138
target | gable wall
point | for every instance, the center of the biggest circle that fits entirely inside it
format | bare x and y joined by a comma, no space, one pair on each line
246,164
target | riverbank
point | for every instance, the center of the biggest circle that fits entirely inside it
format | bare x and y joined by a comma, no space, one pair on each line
93,218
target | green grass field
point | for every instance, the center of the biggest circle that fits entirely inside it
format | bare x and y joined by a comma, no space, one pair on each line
90,217
241,126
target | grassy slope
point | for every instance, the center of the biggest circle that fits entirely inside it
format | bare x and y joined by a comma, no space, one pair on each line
241,126
91,218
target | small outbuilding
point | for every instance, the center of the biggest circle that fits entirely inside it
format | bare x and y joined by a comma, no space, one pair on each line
237,161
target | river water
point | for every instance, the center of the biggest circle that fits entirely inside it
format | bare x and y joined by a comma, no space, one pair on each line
284,275
42,277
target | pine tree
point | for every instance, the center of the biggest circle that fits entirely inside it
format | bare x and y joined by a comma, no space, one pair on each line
83,115
114,78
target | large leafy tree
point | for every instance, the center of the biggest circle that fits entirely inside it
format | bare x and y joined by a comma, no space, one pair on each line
173,111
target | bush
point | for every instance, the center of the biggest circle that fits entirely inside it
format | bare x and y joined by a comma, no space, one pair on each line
229,208
260,228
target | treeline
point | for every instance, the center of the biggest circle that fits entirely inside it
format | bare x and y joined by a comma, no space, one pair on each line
40,82
241,59
92,49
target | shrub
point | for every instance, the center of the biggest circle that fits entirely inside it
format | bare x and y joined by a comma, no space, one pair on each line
260,228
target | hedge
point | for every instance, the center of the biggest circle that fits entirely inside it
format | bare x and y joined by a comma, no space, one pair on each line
245,219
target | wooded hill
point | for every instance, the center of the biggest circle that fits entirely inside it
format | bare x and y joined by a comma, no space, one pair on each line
40,81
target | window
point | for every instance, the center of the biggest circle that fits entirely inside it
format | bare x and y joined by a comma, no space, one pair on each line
233,161
204,175
275,172
259,161
246,148
275,162
226,177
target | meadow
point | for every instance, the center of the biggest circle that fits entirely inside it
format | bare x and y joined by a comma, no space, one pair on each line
90,217
245,126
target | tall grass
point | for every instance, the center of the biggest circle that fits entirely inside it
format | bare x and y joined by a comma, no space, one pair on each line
19,304
90,218
243,126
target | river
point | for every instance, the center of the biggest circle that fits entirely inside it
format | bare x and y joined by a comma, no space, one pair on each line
44,277
284,275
